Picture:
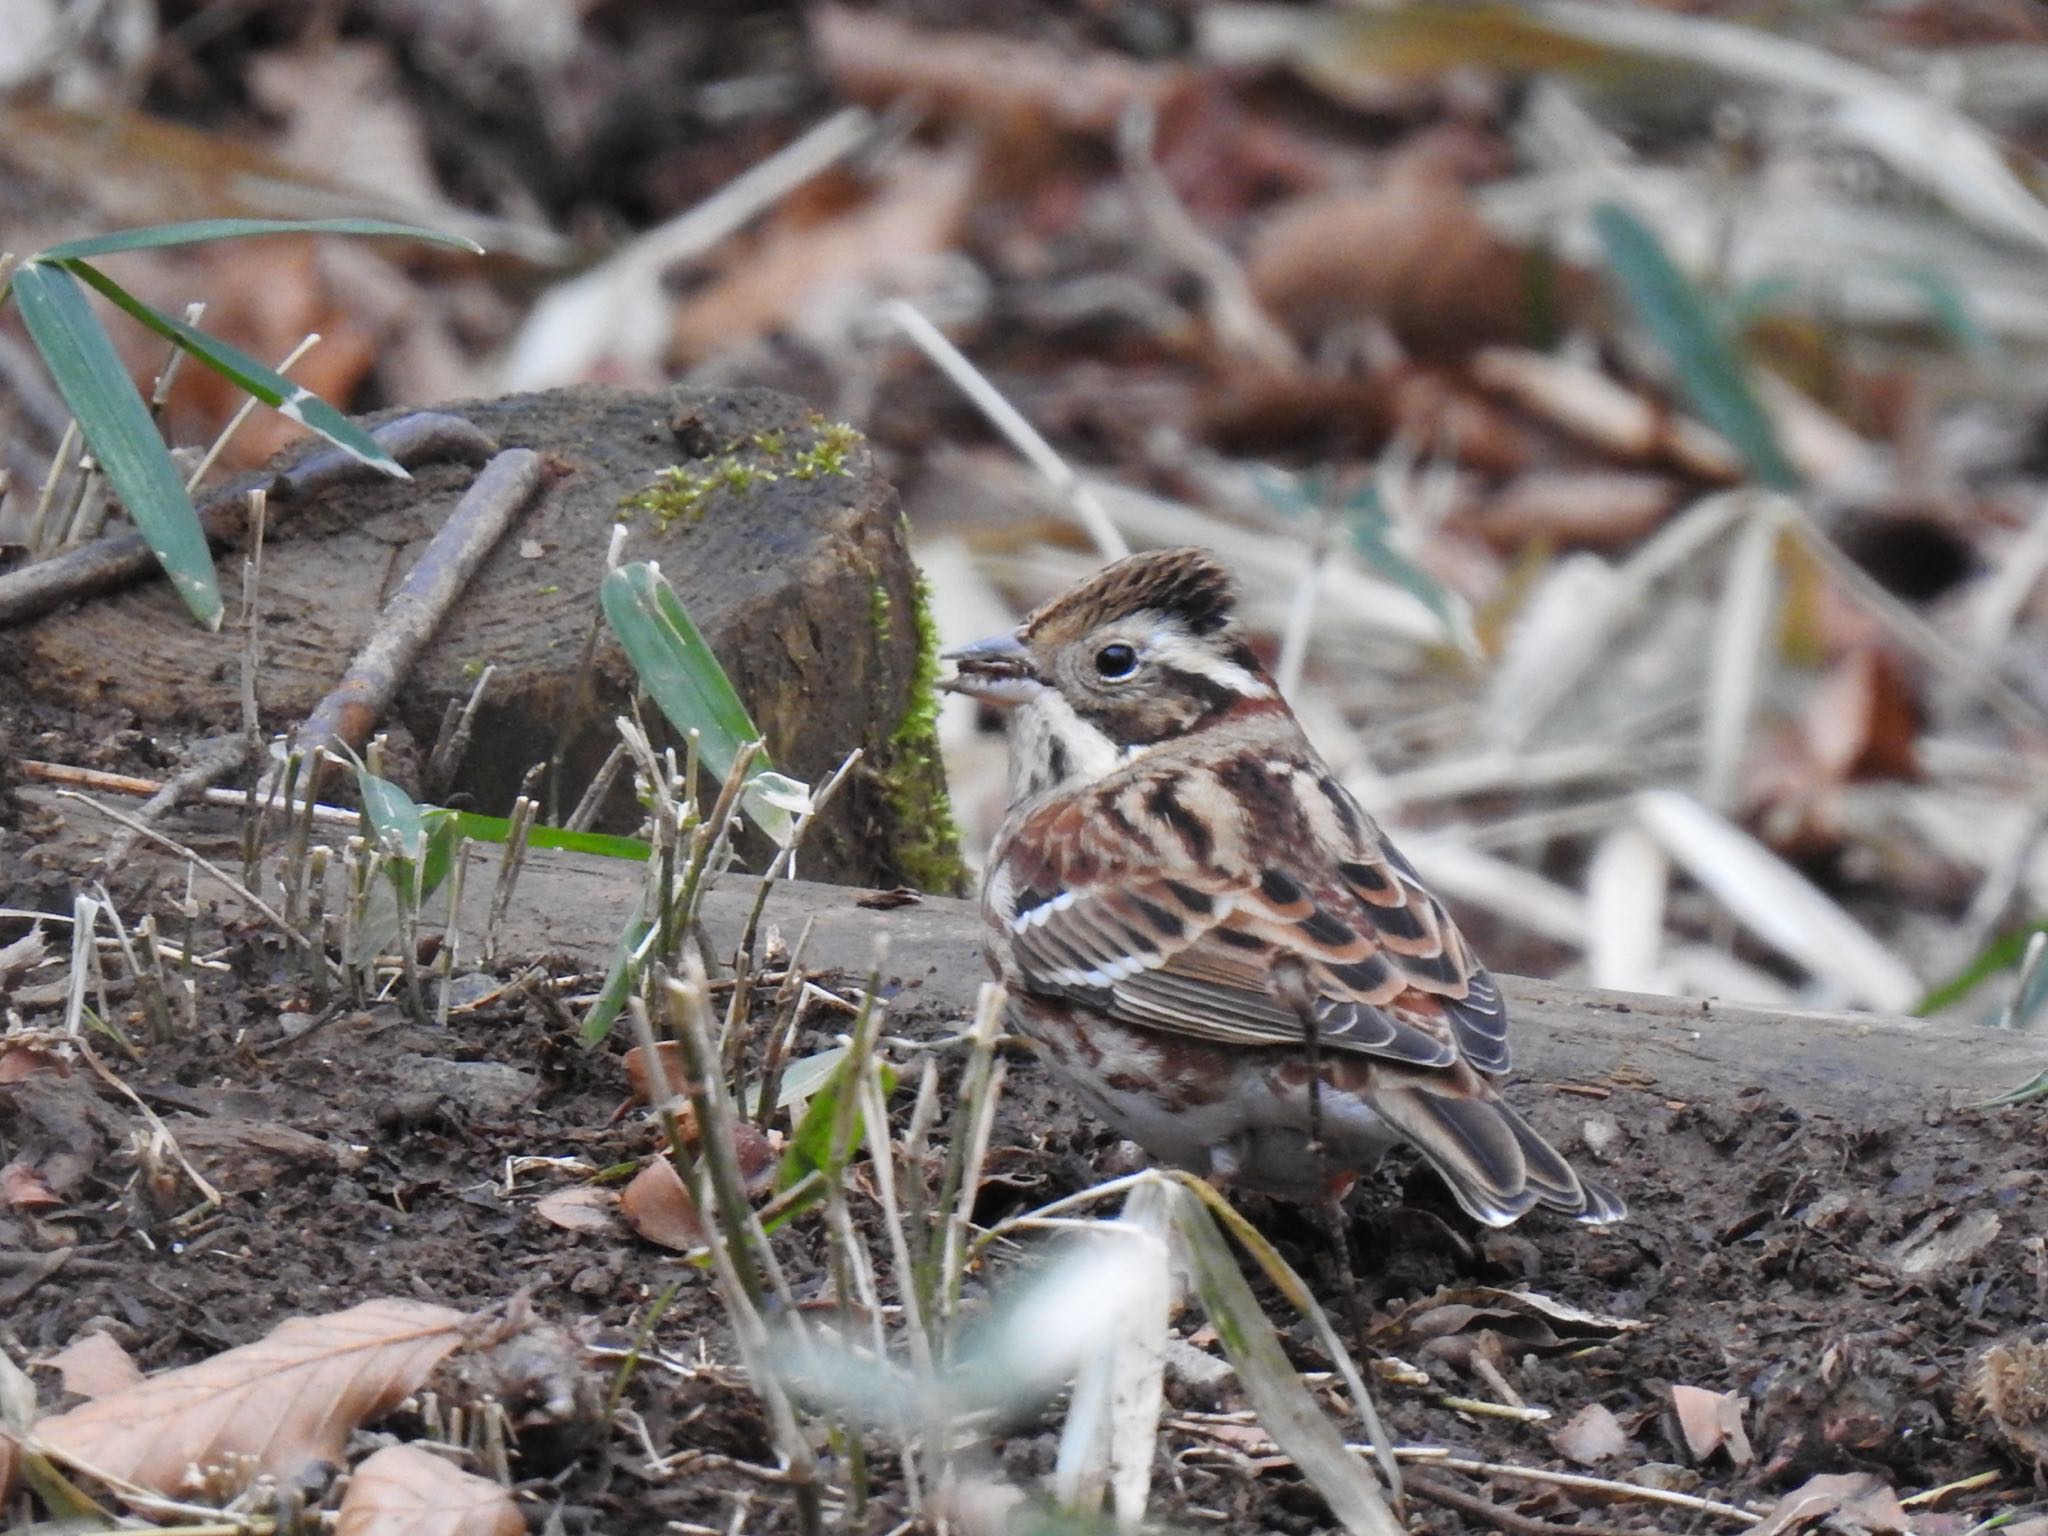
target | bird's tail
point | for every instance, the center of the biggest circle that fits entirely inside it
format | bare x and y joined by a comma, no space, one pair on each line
1496,1164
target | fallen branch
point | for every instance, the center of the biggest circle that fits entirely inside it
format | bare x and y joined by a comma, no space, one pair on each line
106,565
351,710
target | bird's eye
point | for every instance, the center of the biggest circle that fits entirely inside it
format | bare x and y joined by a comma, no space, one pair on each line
1114,661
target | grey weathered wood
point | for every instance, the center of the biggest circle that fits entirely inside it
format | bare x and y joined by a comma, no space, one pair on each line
1853,1065
793,564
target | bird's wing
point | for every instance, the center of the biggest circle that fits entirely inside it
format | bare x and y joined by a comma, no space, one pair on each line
1215,911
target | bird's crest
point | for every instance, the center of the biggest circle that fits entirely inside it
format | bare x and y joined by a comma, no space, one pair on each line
1183,584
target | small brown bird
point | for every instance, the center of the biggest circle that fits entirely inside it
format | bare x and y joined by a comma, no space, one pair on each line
1209,938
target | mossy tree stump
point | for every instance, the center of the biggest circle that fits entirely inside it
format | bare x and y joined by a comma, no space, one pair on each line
771,523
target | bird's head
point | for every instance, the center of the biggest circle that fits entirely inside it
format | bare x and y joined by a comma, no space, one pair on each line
1143,651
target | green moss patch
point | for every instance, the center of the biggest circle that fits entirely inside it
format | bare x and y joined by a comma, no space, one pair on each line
681,492
909,771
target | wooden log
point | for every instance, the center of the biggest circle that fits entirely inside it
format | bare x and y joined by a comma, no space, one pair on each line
1866,1068
785,543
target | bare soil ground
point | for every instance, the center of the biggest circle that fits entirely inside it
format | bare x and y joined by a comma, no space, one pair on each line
1839,1276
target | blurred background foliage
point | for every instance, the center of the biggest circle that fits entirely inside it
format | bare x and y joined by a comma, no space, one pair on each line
1629,424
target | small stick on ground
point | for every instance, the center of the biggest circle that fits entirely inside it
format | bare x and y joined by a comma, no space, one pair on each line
212,761
350,712
1498,1518
456,727
106,565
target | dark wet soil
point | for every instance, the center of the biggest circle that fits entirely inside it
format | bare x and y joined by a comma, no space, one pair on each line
1839,1277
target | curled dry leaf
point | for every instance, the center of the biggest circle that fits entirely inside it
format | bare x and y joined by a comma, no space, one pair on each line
94,1365
669,1057
1529,1319
288,1400
405,1491
1577,509
1852,1501
22,955
1710,1422
659,1208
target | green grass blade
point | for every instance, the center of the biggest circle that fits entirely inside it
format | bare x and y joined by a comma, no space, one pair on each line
421,839
1678,315
157,236
618,979
811,1149
1293,1418
246,373
685,680
604,845
2002,954
117,427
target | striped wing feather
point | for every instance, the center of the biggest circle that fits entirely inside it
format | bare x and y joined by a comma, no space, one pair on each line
1193,946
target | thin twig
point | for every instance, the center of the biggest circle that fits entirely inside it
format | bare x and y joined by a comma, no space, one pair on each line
211,762
102,782
500,493
144,830
105,565
1608,1486
1241,325
242,413
1009,421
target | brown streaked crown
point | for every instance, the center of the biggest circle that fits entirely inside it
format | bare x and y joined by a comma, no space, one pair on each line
1185,584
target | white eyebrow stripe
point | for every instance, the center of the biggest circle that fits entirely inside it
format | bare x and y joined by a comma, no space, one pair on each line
1183,655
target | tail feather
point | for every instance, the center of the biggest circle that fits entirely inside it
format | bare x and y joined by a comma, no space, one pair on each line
1495,1163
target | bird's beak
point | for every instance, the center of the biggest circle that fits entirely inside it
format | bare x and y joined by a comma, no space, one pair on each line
996,670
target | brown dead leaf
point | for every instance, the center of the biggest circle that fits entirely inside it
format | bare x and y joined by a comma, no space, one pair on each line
1710,1422
659,1208
288,1400
669,1056
95,1364
980,76
264,296
1412,254
405,1491
24,1188
1576,509
1864,721
241,1156
18,1063
1531,1320
890,900
580,1208
1591,1436
1579,399
801,270
1855,1503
